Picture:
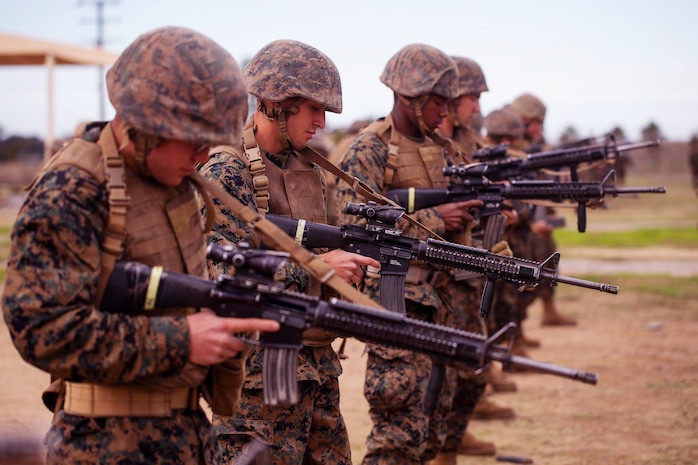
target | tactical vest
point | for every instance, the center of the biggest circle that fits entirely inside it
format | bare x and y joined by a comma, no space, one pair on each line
417,164
410,163
298,191
163,227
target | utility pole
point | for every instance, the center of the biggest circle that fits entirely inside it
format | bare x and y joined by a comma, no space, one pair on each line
99,43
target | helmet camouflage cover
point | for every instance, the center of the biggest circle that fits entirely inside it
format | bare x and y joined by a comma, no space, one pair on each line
529,106
176,83
504,122
285,69
471,79
420,69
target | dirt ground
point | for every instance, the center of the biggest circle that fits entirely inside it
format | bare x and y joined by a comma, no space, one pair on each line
644,410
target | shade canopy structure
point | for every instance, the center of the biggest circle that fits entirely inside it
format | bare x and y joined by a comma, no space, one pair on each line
18,50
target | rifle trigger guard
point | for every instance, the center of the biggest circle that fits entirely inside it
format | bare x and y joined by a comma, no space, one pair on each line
248,341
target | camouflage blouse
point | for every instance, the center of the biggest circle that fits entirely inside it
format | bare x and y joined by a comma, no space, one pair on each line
51,279
230,172
366,159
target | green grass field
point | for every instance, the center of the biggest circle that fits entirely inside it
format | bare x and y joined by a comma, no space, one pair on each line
640,238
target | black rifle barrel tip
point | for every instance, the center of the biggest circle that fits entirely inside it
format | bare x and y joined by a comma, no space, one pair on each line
611,289
513,459
588,378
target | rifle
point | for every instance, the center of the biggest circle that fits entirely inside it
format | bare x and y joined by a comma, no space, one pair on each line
498,167
253,292
381,240
472,183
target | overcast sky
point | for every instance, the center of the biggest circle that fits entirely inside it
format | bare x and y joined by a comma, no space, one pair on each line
597,64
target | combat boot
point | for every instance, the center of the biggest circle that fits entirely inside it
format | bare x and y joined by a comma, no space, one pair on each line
500,382
485,409
518,349
443,458
551,317
470,445
528,342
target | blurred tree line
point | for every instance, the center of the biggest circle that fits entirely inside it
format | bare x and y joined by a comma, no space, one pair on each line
570,136
16,148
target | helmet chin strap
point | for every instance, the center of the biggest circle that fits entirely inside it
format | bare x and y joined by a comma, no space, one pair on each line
453,112
417,104
143,144
280,115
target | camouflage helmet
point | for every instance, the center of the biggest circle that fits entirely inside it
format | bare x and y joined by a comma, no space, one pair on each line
504,122
417,70
285,69
471,79
175,83
529,106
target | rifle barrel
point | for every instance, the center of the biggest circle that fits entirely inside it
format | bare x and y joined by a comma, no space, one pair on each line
603,287
637,145
571,373
636,190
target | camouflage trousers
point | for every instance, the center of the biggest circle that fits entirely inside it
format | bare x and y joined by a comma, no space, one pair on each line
395,387
510,304
311,432
463,298
185,437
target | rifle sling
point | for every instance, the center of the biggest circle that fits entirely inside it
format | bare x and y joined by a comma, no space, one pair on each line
278,239
360,187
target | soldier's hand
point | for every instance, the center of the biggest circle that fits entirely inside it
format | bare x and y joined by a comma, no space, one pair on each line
542,228
457,214
212,339
596,203
502,248
348,266
511,214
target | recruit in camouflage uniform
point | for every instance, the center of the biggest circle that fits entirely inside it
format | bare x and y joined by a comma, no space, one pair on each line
532,111
397,151
469,398
509,305
294,84
127,385
462,110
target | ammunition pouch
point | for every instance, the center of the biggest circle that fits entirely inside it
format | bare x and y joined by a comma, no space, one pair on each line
317,337
424,275
52,396
190,375
224,385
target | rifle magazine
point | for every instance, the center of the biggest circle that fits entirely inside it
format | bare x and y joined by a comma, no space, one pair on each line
279,375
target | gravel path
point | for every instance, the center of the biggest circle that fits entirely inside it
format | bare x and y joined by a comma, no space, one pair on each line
656,260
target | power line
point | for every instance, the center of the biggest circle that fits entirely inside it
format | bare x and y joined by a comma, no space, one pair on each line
99,43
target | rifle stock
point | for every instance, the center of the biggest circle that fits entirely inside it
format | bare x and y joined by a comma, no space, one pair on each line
253,293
